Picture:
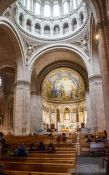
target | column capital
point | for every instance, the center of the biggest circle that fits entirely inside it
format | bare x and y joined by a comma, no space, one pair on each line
95,80
21,83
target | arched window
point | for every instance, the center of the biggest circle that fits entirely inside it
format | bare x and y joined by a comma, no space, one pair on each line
65,28
47,10
56,29
74,24
66,7
37,28
56,9
47,30
37,8
21,17
74,4
28,24
28,4
81,18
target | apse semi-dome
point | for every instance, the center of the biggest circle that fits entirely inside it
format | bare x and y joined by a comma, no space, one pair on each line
63,84
51,19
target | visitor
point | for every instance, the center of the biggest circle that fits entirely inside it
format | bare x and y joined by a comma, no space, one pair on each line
64,138
50,148
21,151
32,147
7,150
59,138
41,147
2,138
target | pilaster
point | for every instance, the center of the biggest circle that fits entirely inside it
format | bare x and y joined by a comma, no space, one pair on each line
22,108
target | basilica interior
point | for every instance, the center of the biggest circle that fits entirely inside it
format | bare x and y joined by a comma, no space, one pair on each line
53,65
54,85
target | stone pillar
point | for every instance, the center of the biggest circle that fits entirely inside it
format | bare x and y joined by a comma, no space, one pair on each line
97,103
22,108
36,112
104,64
89,112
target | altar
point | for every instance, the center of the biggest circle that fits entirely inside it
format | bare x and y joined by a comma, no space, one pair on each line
69,127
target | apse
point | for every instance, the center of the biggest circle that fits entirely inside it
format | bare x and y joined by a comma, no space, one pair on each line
63,100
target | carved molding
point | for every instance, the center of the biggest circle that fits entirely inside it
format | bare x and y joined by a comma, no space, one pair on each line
96,79
83,43
30,48
21,84
51,38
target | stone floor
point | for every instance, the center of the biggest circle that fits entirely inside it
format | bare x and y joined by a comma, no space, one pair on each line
90,165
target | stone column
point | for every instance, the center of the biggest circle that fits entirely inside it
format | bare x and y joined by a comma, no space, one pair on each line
36,112
104,64
97,103
22,108
89,112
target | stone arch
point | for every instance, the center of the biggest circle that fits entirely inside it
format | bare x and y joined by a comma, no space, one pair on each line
82,57
37,28
13,53
21,19
28,25
47,29
65,27
58,64
74,24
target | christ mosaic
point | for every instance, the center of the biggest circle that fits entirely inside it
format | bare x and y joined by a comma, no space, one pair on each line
63,84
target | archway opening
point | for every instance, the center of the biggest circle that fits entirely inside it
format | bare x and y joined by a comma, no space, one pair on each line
63,100
7,79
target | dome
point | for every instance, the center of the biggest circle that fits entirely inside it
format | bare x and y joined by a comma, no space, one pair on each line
51,8
63,84
51,19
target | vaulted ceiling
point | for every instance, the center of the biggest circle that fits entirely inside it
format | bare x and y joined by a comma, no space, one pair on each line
98,4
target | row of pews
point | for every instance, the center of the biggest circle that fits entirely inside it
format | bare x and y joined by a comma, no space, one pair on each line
61,162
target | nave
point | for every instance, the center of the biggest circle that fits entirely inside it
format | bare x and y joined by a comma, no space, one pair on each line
61,162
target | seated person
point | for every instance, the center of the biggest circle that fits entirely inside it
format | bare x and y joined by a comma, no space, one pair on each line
98,139
64,138
89,140
104,139
32,147
41,147
59,138
8,151
21,151
50,148
2,138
